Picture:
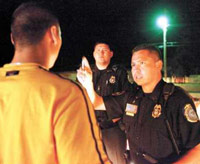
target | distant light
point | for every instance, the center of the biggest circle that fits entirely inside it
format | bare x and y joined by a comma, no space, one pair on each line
162,22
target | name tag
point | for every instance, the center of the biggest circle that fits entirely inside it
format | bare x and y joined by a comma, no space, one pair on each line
131,109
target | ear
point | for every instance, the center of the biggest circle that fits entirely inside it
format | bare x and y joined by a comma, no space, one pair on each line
159,64
111,54
54,34
11,38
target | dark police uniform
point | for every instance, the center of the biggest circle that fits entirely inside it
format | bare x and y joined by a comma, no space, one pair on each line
111,81
145,126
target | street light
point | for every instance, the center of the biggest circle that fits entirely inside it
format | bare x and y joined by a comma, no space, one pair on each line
162,22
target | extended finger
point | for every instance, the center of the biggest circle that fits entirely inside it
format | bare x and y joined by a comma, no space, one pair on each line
85,63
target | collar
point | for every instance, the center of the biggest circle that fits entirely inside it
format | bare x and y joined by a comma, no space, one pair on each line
21,66
155,95
95,69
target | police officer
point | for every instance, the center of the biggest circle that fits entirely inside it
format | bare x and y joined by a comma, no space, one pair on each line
109,80
158,130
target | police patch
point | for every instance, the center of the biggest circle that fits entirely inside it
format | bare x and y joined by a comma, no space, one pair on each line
190,113
112,79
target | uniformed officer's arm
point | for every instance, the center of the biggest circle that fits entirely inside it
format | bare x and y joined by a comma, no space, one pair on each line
84,76
191,157
115,105
96,100
189,127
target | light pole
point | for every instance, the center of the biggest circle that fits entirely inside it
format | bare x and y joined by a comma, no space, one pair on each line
163,23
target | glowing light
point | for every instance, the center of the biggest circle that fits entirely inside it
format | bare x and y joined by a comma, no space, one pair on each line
162,22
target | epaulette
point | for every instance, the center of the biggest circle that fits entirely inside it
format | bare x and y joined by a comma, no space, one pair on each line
115,67
168,90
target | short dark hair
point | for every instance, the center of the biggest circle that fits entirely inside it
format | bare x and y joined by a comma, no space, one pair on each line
104,42
149,47
30,22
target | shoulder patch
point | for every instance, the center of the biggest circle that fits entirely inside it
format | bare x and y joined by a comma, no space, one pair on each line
190,113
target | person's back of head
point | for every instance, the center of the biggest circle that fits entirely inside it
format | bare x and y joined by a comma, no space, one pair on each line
35,34
30,22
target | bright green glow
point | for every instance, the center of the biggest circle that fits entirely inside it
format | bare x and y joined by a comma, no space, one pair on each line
162,22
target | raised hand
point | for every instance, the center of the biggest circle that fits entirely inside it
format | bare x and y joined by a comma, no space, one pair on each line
84,74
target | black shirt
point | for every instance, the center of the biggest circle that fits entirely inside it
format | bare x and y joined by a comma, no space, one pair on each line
110,81
146,129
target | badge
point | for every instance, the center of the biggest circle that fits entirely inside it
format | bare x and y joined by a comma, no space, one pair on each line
112,79
131,109
190,113
156,111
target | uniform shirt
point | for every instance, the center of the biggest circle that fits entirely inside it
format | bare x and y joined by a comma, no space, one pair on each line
110,81
145,127
45,119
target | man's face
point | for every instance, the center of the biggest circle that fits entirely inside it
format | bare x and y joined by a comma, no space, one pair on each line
146,67
102,54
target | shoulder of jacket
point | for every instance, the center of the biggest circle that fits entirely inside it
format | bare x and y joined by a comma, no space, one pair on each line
168,88
117,67
179,92
64,79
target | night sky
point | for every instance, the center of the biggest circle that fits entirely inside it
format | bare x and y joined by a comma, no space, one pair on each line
124,24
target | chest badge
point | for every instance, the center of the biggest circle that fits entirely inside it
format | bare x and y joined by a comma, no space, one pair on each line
112,79
156,111
131,109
